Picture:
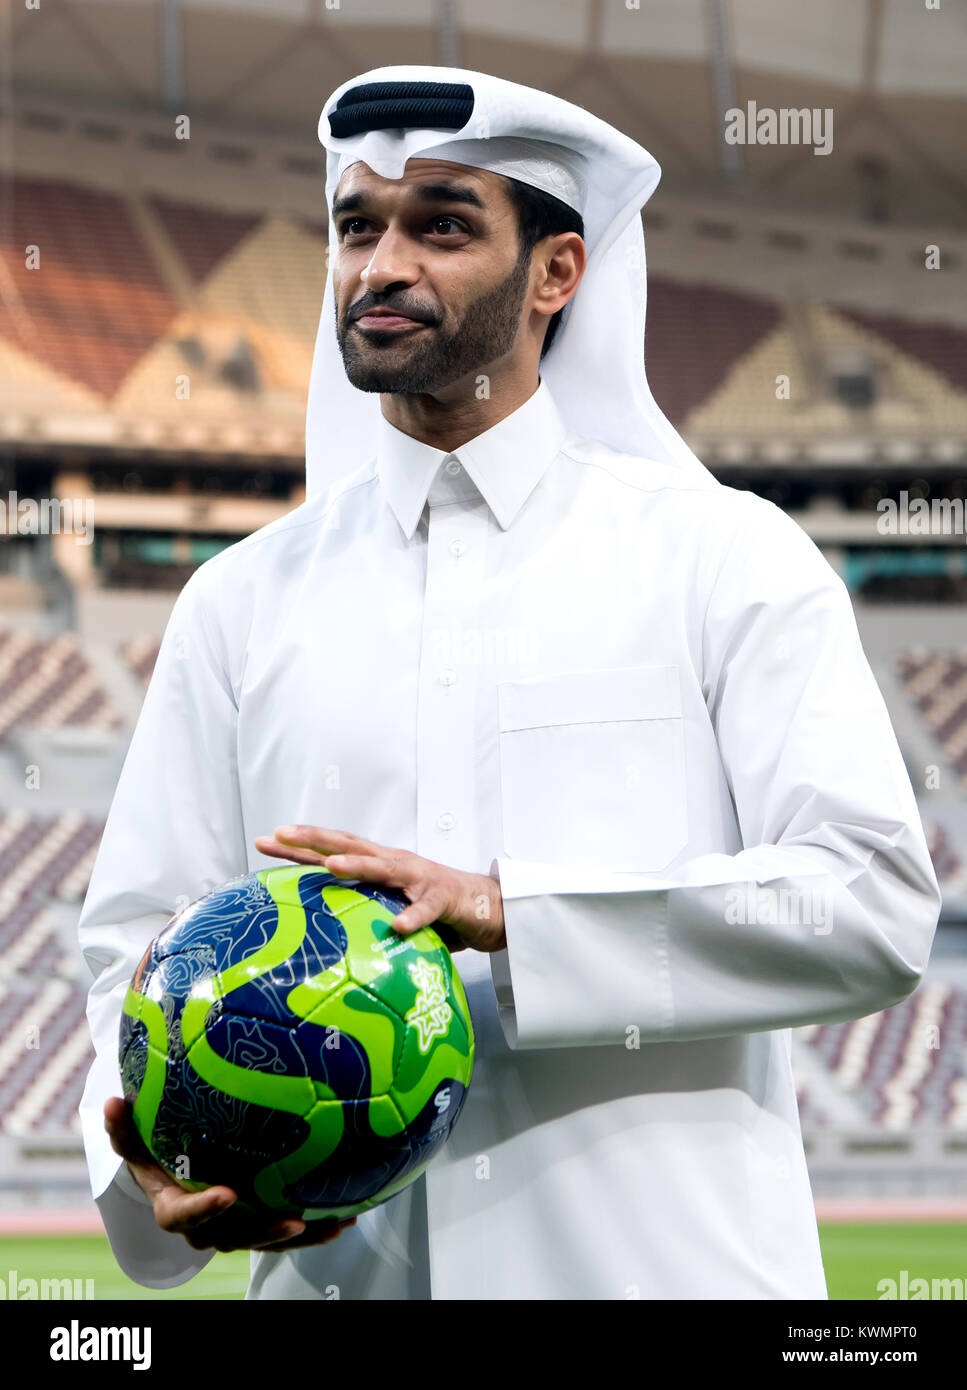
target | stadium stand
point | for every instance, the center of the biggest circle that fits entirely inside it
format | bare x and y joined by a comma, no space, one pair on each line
937,683
49,682
696,334
939,346
95,302
843,376
891,1064
949,865
203,236
137,292
44,1042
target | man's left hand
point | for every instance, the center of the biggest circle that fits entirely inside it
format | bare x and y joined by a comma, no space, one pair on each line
469,903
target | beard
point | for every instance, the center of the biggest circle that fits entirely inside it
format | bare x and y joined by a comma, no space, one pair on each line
418,361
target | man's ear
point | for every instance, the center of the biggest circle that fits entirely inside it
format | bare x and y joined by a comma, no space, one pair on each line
564,257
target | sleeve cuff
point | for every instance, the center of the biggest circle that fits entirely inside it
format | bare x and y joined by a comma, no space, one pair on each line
124,1179
150,1256
580,969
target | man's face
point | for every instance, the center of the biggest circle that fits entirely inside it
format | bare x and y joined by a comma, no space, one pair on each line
429,282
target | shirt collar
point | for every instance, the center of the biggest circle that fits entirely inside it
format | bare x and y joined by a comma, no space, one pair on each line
505,463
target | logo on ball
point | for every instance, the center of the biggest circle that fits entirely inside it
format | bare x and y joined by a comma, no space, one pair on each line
431,1012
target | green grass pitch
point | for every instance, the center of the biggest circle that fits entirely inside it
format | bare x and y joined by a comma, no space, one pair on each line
90,1257
856,1258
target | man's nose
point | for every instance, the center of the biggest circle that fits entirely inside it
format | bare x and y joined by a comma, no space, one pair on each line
391,263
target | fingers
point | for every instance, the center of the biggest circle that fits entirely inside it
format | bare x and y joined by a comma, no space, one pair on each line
266,844
281,1234
206,1218
315,1233
367,867
184,1213
431,902
350,856
326,841
127,1142
174,1209
120,1125
250,1232
243,1233
122,1131
207,1221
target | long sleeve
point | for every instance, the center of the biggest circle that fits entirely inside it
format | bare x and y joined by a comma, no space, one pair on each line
173,833
829,910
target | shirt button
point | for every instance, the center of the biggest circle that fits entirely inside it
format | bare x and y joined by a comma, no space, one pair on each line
458,547
447,821
447,677
452,466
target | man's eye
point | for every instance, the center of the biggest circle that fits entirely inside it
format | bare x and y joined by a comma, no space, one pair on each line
445,225
352,224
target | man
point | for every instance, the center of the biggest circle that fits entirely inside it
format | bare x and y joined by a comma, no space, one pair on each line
607,720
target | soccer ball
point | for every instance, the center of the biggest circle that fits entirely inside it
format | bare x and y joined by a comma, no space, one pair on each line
279,1037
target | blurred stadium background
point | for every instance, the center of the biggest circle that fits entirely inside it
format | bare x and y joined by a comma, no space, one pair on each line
164,259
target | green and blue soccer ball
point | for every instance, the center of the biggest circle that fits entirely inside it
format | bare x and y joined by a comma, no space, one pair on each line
281,1038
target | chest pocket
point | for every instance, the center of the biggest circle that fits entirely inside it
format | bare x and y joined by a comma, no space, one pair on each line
592,768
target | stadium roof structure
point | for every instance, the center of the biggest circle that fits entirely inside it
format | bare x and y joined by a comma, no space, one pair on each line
152,325
894,74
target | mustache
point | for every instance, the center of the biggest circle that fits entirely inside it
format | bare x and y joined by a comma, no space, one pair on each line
422,313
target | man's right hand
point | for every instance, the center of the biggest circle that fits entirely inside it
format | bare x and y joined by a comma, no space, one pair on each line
206,1219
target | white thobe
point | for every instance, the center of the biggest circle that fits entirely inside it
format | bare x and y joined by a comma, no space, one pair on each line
642,701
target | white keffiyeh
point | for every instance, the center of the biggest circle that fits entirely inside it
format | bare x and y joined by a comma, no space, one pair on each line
595,367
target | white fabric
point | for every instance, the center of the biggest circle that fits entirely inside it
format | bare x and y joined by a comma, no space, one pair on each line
625,694
595,366
556,170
